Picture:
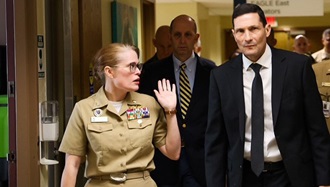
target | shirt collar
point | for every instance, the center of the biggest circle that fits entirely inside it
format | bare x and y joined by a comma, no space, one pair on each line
189,62
101,99
265,60
325,55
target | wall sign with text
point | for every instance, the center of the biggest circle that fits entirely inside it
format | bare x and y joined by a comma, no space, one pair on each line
287,8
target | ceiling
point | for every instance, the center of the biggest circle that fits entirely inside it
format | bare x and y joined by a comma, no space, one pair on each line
222,7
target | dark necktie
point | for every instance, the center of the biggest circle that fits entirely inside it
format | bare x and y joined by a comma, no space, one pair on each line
185,91
257,122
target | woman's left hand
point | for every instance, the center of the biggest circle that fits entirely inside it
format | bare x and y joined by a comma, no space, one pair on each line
166,94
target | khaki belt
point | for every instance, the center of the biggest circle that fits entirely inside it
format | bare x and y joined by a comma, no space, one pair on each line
122,177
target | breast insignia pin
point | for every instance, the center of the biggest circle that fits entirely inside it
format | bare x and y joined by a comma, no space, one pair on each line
97,112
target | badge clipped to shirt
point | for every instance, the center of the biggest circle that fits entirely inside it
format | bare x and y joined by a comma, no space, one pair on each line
98,118
326,109
136,111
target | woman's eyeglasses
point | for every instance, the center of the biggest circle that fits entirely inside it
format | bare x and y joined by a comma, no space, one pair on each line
132,66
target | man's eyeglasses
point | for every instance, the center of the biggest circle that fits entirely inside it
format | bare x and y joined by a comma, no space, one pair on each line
132,66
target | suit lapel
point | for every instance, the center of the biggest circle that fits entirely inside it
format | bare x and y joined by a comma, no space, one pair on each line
236,75
167,67
199,88
278,73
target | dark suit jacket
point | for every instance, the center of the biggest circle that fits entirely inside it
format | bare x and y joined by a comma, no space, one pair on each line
299,125
151,60
196,118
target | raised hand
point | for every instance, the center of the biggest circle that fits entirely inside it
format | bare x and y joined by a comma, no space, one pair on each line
166,94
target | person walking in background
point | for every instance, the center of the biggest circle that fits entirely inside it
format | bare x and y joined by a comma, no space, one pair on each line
162,44
323,54
301,45
190,73
266,126
116,129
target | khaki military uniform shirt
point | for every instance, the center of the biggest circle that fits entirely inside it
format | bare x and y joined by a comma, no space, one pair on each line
322,74
321,55
111,142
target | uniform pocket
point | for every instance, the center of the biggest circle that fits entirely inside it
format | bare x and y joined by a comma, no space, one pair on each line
141,132
98,134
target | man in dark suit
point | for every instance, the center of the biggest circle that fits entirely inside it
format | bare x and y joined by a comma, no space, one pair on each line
296,144
189,171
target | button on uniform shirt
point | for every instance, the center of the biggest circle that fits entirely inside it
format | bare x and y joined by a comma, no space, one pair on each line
271,151
118,144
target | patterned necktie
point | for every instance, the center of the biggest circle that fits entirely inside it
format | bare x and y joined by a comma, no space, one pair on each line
185,91
257,122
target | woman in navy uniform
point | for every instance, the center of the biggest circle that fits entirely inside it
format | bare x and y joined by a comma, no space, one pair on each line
116,129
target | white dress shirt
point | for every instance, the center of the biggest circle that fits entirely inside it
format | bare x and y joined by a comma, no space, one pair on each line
271,151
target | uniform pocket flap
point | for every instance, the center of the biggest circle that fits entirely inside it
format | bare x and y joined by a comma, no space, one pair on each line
139,123
100,127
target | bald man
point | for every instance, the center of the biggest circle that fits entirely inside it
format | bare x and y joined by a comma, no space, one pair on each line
162,44
301,46
189,171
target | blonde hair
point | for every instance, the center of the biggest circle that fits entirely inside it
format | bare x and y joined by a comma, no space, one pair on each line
109,56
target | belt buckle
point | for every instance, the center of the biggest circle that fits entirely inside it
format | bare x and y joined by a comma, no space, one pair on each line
118,177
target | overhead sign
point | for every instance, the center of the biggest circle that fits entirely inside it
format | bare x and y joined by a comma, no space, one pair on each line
289,8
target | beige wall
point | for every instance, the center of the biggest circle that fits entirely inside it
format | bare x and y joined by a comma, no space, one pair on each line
167,11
